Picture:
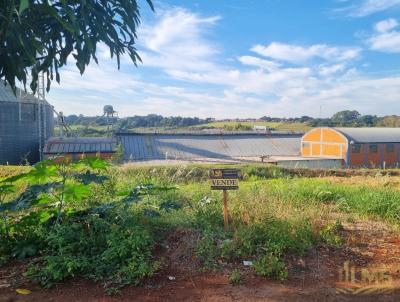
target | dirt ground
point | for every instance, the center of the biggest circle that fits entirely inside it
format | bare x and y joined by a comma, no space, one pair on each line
372,252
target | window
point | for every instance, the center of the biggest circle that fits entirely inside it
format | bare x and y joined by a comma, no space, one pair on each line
355,148
373,148
390,148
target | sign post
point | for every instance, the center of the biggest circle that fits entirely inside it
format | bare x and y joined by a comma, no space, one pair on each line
225,179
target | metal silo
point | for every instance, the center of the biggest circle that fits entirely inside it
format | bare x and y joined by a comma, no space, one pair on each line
26,122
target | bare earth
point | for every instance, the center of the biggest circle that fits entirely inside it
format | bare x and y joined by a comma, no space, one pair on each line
311,278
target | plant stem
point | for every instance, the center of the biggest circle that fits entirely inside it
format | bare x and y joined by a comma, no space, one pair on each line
2,198
6,225
60,206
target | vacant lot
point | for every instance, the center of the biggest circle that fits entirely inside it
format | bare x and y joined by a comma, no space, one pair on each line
278,126
155,233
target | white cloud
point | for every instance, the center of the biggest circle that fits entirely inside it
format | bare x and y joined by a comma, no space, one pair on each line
299,54
369,7
257,62
385,38
176,40
386,25
331,69
198,81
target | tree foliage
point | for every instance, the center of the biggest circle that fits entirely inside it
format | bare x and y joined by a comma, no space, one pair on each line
39,35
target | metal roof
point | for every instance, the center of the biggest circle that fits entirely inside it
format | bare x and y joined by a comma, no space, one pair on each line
7,95
371,135
154,146
61,145
210,132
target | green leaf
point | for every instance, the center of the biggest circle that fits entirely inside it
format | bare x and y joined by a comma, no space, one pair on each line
5,189
42,172
89,177
95,163
150,4
76,192
27,199
24,4
45,216
14,178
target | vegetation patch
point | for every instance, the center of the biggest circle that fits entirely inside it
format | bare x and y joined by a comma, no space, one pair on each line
113,225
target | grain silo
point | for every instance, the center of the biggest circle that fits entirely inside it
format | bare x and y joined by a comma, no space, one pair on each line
26,122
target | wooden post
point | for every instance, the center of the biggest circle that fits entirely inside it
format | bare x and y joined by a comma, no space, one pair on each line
226,214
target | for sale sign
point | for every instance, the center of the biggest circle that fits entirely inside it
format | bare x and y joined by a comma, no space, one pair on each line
224,179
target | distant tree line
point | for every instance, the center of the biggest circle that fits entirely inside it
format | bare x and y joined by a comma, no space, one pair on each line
346,118
151,120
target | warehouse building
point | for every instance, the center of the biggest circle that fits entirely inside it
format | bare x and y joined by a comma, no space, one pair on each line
187,146
75,148
357,147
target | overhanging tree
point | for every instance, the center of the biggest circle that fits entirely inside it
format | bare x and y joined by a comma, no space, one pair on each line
39,35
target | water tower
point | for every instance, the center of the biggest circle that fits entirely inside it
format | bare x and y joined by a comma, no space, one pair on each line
109,112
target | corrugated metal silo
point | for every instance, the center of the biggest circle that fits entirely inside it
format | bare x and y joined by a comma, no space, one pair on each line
25,124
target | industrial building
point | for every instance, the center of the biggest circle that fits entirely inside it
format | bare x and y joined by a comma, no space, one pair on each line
76,148
356,147
186,146
26,122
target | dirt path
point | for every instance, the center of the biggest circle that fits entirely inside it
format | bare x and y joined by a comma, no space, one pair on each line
372,252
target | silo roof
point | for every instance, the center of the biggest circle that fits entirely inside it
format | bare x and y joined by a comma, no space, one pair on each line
7,95
371,135
61,145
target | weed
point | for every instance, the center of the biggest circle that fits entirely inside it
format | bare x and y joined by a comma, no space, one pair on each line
207,251
330,233
235,277
271,266
116,250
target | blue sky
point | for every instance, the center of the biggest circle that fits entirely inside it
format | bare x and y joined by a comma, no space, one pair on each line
238,58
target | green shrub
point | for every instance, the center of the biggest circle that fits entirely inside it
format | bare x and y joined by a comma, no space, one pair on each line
330,233
235,277
271,266
272,236
115,250
266,172
207,251
208,214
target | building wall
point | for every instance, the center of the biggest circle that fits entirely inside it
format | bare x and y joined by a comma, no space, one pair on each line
79,156
323,163
324,142
21,131
387,155
327,142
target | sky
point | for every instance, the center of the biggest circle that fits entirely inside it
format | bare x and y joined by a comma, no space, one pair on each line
248,59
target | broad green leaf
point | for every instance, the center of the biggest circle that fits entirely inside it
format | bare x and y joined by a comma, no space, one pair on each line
28,198
89,177
42,172
96,163
76,192
45,216
5,189
24,4
14,178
